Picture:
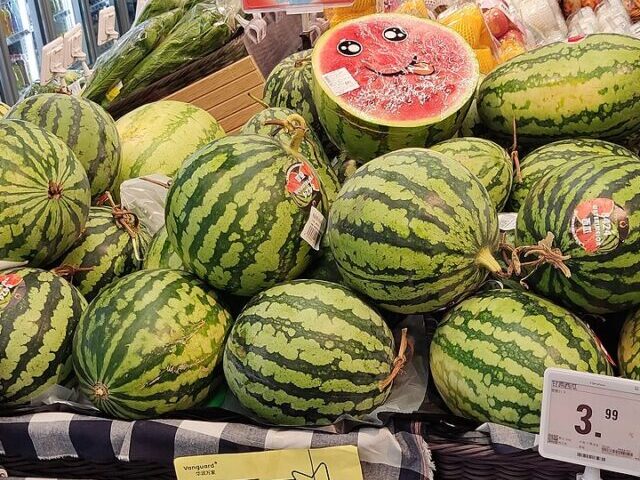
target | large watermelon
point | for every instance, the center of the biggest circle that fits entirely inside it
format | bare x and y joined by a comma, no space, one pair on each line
414,230
386,82
4,109
236,211
548,157
566,90
111,246
629,347
44,194
307,352
486,160
161,253
282,124
489,355
38,315
592,208
148,344
84,126
159,136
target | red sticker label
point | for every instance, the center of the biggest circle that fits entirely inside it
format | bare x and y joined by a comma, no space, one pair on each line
599,225
302,184
11,289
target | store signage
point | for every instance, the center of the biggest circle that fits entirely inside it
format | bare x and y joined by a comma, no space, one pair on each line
591,420
107,25
52,60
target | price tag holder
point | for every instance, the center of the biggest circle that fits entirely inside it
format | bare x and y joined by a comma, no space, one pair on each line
591,420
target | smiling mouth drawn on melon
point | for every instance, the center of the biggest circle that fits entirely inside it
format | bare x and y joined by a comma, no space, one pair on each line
415,67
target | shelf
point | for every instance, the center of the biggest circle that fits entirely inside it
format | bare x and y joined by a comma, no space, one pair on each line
16,37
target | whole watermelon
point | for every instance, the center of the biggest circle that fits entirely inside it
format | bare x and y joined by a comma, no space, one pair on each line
262,123
161,253
148,344
414,230
236,210
489,355
593,209
629,347
486,160
159,136
110,247
4,109
44,194
548,157
39,312
566,90
307,352
84,126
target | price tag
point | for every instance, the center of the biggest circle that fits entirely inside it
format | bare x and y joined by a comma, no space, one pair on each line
340,81
591,420
507,221
314,464
314,228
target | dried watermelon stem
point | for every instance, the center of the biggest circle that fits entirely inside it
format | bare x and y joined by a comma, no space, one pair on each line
515,157
258,100
124,218
398,363
69,271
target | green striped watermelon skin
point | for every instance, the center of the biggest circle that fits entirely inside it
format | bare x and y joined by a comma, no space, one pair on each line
159,136
84,126
486,160
37,321
107,249
4,109
310,147
307,352
603,280
489,355
548,157
161,253
231,220
629,347
148,344
411,229
44,194
566,90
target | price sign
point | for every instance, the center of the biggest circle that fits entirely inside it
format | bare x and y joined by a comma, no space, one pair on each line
591,420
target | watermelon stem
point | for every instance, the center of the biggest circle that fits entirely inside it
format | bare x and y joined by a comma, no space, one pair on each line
398,363
258,100
55,190
68,271
515,157
486,259
123,217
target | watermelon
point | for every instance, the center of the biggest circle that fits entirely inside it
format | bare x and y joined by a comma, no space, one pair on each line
39,312
262,123
587,88
158,137
489,355
4,109
307,352
409,83
414,230
629,347
111,246
593,210
289,85
486,160
148,344
44,194
236,210
84,126
548,157
161,253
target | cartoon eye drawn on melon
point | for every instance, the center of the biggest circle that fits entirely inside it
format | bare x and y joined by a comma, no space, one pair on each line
349,48
394,34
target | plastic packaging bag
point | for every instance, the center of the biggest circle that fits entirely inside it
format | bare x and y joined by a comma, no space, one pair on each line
146,197
153,8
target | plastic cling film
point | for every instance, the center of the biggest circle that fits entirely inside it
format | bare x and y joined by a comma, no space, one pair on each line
146,197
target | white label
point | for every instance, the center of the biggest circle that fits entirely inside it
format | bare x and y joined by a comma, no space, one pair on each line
75,88
507,221
591,420
314,228
340,81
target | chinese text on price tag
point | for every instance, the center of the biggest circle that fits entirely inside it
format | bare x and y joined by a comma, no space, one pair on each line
591,420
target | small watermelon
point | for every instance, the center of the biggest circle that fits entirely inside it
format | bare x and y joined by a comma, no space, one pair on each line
486,160
161,253
39,312
489,355
307,352
4,109
111,246
84,126
148,344
236,211
44,194
414,230
629,347
390,81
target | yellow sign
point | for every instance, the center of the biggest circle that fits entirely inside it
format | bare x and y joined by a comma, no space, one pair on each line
332,463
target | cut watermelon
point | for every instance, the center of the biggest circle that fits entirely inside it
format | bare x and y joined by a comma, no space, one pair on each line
386,82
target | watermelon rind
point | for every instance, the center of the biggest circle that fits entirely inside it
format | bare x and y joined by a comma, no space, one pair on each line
629,347
161,253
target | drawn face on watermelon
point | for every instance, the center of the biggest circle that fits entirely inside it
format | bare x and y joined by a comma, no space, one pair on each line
397,80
